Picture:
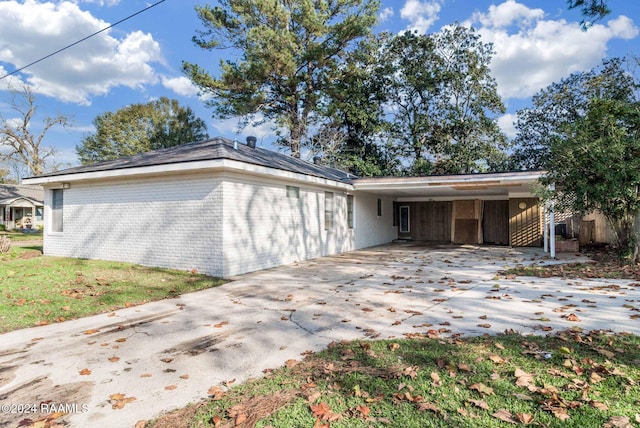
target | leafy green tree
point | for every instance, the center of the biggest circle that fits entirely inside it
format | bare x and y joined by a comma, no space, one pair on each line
412,85
289,54
593,9
140,128
468,103
19,144
441,102
595,164
352,137
563,103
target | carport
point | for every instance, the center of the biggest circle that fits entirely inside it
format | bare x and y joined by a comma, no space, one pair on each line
492,208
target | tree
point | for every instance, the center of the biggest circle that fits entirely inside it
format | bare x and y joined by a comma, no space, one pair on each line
472,140
441,98
18,144
290,54
563,103
352,137
140,128
595,164
593,9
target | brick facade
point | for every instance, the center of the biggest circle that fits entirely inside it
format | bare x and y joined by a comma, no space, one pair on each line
218,223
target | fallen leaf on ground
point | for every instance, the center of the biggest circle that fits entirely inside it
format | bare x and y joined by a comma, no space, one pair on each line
170,387
504,415
571,317
618,422
364,410
425,405
85,372
291,363
119,400
482,388
479,403
216,392
524,418
323,412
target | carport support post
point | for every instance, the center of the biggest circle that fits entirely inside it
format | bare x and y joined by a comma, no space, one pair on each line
552,225
545,223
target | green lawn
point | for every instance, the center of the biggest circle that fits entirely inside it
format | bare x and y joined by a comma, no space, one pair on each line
569,379
19,236
38,290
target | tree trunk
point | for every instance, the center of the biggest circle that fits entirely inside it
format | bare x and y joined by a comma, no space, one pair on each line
628,244
296,132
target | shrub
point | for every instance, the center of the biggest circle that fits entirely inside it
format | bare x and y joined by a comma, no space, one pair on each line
2,228
5,244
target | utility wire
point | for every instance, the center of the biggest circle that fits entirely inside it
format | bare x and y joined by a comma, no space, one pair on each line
81,40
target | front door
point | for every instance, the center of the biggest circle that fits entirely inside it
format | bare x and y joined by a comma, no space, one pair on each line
404,219
495,222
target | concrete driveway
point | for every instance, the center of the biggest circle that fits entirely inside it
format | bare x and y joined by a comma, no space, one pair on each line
169,353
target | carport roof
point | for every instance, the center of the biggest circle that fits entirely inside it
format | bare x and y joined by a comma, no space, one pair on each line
518,183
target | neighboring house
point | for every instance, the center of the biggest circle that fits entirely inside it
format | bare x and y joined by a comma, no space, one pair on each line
224,208
21,206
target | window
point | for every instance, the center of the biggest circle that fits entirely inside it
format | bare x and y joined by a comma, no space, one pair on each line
395,213
379,207
57,205
328,210
350,211
38,214
293,192
404,219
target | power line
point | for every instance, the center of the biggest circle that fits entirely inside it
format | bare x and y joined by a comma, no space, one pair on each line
81,40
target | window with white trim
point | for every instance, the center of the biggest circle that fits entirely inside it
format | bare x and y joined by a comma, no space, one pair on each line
57,206
328,210
293,192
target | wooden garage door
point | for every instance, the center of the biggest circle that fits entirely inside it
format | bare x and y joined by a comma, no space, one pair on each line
495,222
432,221
524,222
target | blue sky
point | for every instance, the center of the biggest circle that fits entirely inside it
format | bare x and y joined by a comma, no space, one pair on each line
536,43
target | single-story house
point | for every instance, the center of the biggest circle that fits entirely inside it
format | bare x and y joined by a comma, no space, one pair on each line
224,208
21,206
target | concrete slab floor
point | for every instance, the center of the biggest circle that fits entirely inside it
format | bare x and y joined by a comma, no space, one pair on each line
167,354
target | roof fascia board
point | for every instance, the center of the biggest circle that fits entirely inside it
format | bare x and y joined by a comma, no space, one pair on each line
177,168
435,182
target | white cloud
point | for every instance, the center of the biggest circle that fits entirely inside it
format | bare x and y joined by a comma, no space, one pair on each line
533,52
180,85
231,129
386,13
506,124
508,13
90,68
421,15
101,2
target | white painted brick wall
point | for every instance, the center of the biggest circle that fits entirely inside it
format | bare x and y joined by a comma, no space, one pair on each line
264,228
173,221
221,225
370,229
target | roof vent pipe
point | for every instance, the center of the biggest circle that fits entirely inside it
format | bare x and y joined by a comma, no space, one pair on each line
251,141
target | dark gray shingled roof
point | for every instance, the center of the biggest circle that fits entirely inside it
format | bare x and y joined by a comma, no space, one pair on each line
215,148
13,191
